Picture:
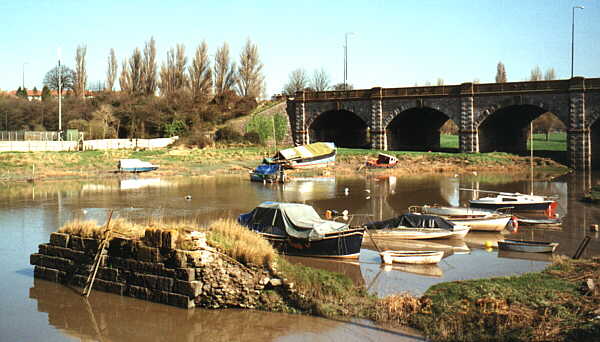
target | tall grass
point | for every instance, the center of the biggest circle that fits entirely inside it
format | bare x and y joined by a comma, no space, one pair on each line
241,243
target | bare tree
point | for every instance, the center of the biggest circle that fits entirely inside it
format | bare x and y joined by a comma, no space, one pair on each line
149,69
297,81
224,71
439,81
536,74
67,78
172,73
135,72
124,79
320,80
250,80
111,72
200,73
500,73
550,74
80,71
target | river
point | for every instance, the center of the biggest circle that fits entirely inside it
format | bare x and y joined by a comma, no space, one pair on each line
32,309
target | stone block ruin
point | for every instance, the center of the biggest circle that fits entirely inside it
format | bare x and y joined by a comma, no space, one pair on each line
154,269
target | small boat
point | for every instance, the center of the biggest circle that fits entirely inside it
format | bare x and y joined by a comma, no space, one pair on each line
527,246
297,229
320,154
270,173
517,201
417,227
411,257
476,219
135,166
383,161
541,223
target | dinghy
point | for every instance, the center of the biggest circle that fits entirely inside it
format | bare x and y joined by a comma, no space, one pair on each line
411,257
527,246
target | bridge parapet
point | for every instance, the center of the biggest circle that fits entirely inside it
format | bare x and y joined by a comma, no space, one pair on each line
450,90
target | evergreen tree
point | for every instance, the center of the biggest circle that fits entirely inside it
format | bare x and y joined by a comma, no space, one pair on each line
45,93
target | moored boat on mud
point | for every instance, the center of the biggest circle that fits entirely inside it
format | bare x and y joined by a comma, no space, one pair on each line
297,229
319,154
383,161
135,166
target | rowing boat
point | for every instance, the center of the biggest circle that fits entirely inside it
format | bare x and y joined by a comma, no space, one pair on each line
411,257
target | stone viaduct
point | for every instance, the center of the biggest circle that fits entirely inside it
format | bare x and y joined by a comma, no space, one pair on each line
490,117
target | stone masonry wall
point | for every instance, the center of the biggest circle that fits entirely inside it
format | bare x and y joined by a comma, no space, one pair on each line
153,269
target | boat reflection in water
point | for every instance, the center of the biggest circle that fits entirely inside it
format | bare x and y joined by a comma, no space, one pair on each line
422,270
483,239
348,268
549,257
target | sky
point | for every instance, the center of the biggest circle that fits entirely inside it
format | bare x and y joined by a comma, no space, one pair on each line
394,43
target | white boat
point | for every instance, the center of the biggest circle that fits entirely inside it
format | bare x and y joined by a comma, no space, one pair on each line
411,257
135,166
476,219
516,201
417,227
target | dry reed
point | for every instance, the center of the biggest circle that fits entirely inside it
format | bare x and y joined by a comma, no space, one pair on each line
241,243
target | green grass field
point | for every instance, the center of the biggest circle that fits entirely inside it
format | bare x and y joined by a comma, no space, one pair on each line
556,141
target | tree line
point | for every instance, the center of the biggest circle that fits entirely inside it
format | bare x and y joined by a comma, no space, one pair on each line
181,96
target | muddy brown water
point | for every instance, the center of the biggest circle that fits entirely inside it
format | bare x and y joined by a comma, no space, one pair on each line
33,310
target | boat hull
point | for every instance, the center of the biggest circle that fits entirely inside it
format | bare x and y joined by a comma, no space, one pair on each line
419,233
486,224
535,206
338,245
411,257
138,169
312,163
527,246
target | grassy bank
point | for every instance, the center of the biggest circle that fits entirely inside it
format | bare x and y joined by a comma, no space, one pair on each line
239,159
559,304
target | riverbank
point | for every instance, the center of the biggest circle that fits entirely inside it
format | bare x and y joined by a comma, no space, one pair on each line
237,269
181,161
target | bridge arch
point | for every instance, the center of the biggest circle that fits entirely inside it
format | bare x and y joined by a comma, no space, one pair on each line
415,129
342,127
507,128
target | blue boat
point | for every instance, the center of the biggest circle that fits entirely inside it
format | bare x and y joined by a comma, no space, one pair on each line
267,173
297,229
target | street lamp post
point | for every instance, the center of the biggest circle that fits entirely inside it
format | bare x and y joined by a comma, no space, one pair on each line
573,37
59,99
346,58
23,80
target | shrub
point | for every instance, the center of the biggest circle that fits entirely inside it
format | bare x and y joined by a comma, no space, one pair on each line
228,134
252,137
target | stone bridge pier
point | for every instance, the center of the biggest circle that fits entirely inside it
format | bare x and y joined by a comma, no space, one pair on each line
490,117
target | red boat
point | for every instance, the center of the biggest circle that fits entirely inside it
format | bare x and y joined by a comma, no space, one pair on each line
383,161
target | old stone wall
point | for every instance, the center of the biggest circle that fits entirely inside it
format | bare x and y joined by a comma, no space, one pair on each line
154,270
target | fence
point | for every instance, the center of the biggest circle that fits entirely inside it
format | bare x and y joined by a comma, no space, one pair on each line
104,144
28,136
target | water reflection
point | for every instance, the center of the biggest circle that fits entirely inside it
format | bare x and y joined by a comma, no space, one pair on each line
29,212
107,317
